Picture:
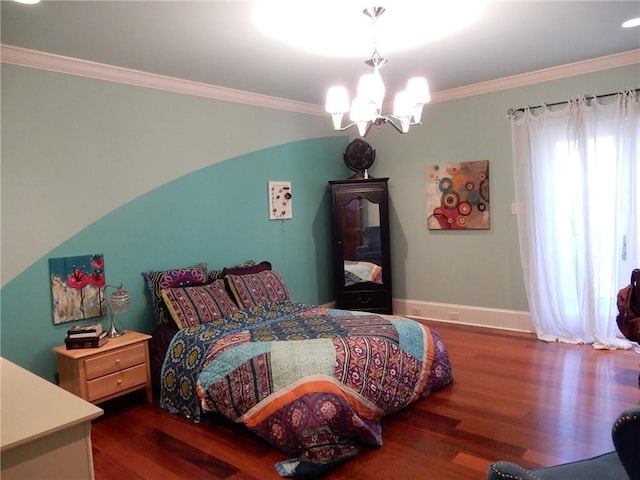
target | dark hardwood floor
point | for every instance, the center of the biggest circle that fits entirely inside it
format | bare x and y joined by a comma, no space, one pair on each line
513,398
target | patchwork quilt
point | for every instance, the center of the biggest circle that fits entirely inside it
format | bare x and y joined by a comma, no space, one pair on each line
314,382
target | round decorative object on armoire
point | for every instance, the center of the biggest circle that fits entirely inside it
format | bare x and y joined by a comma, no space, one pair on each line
358,157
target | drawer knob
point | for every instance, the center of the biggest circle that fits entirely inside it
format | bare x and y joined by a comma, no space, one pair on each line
117,361
119,382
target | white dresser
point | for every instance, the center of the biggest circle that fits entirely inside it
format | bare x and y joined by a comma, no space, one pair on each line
45,430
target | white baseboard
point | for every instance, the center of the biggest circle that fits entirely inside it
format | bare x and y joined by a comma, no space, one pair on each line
464,315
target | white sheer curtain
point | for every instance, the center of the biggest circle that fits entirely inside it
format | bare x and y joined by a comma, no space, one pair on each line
576,179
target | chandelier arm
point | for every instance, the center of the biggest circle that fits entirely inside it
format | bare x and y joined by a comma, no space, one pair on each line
354,124
366,132
347,127
411,124
378,123
389,119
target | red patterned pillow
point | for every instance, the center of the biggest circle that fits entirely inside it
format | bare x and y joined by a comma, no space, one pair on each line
175,277
258,288
199,304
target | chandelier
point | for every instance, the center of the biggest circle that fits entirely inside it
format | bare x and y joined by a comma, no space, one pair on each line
366,108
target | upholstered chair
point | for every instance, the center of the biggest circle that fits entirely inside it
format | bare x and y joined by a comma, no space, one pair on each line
622,464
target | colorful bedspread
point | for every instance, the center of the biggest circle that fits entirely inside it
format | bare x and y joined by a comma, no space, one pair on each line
312,381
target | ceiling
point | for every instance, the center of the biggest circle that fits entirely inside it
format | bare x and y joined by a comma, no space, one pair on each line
215,42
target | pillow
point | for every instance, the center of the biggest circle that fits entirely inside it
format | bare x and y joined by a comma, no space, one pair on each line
246,270
216,274
195,305
177,277
258,288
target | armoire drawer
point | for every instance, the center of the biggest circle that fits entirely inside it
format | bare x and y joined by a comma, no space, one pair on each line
365,300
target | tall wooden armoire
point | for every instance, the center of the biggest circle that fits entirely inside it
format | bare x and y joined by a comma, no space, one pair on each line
361,244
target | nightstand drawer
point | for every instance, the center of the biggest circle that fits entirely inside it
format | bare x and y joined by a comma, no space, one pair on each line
115,361
116,382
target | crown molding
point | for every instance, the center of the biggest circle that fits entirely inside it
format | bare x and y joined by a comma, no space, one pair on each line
73,66
538,76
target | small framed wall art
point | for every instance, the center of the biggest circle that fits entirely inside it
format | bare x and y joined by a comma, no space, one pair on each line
77,285
280,196
458,196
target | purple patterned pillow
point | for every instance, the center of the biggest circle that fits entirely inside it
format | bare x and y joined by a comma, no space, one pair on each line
258,288
246,269
177,277
190,306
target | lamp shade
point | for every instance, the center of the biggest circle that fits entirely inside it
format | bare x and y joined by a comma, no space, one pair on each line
403,109
362,110
337,100
418,90
371,89
119,301
402,105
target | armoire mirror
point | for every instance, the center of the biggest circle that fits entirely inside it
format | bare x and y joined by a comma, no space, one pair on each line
361,241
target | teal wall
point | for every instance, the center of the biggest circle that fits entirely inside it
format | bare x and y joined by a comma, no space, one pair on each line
154,179
217,215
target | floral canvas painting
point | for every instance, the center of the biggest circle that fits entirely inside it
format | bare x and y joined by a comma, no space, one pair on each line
77,285
458,196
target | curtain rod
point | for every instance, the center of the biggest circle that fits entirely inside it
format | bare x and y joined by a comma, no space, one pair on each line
513,111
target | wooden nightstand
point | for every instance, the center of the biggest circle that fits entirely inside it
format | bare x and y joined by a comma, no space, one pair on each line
98,374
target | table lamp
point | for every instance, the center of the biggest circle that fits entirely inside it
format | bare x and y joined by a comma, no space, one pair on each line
118,302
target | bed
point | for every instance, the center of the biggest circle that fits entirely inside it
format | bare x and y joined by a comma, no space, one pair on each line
312,381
